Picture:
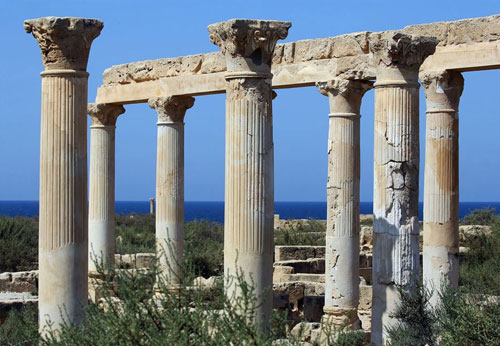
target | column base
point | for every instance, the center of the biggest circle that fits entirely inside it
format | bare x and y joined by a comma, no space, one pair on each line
341,318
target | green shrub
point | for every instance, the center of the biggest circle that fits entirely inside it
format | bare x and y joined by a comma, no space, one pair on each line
486,217
204,247
133,311
468,319
479,268
135,233
20,328
311,232
18,244
416,321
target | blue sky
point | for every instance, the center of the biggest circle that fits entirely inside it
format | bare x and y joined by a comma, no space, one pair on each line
141,30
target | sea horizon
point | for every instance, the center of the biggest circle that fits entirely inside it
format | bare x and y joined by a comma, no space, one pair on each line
214,210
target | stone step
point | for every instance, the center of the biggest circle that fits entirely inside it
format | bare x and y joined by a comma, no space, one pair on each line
137,260
287,253
306,252
285,273
308,266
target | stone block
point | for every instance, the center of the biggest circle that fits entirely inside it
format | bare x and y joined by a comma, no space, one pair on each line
138,260
295,291
365,297
309,266
313,308
306,331
26,281
314,288
307,277
365,316
282,273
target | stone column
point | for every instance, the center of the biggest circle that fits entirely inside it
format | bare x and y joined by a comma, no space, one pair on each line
440,259
63,233
102,183
170,184
396,161
342,225
248,47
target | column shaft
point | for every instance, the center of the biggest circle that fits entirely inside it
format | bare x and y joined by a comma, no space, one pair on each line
170,185
342,235
342,239
170,198
249,195
395,200
441,214
101,196
63,226
63,198
396,164
248,47
102,184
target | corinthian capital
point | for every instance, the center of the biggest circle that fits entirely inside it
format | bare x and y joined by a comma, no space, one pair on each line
104,114
442,89
345,95
171,109
247,44
401,50
65,42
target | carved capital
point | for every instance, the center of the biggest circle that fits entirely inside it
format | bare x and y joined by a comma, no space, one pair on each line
65,42
171,109
401,50
345,95
247,44
104,114
442,89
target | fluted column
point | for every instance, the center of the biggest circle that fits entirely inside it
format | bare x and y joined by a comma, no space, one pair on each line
248,46
342,225
440,254
396,162
65,45
102,183
170,184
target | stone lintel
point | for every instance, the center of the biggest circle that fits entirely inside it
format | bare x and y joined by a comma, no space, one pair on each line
345,95
398,50
171,109
103,114
248,44
442,89
64,41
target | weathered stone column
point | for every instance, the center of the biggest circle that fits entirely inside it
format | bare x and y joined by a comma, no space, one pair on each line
396,161
170,184
65,45
342,225
440,259
102,183
248,47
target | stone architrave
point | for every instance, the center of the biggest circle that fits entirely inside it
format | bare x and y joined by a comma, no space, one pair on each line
170,184
102,183
342,226
63,233
440,253
396,162
248,46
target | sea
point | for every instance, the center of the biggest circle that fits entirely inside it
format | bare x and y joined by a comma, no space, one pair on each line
214,211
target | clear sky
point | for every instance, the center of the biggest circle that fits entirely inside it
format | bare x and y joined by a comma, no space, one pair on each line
140,30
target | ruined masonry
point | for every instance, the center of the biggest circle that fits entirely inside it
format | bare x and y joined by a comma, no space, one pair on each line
248,67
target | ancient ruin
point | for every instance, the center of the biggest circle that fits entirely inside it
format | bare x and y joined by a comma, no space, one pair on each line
250,65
